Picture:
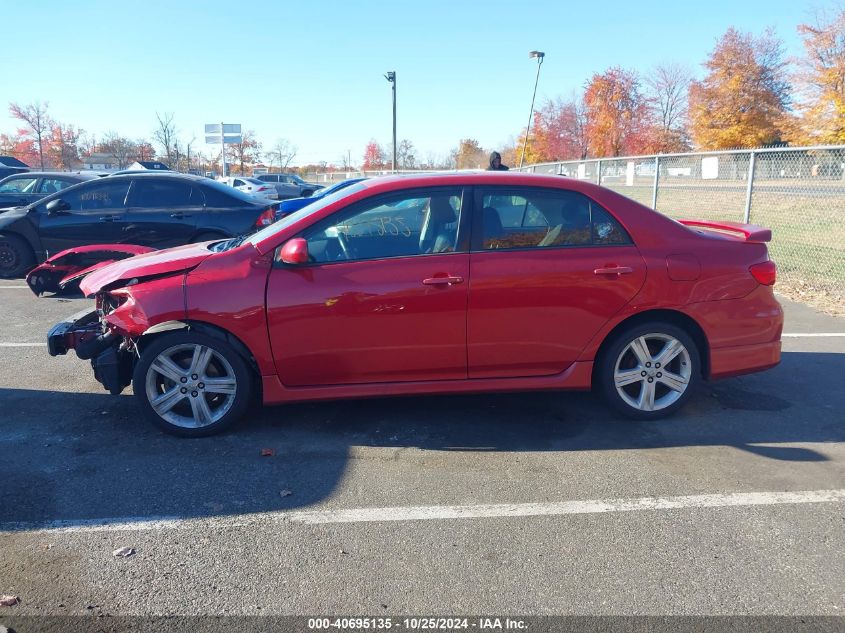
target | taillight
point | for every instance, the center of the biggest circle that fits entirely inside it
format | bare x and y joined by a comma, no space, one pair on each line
263,188
266,218
765,273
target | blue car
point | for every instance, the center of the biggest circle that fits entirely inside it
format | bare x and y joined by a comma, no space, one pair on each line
295,204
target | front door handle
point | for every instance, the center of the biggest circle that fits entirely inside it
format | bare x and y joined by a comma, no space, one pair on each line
179,215
614,270
107,218
443,281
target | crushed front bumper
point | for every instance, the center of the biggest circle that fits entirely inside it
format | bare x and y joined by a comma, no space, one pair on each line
73,331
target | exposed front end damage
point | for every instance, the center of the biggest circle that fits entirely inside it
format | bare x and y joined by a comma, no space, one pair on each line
113,334
63,271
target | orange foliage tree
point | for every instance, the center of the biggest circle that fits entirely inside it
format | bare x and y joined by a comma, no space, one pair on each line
820,80
559,132
373,156
616,114
742,100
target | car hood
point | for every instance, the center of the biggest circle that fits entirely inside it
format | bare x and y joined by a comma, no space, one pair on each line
156,264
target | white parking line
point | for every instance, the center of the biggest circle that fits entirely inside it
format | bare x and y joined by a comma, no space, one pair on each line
22,344
13,287
435,513
810,334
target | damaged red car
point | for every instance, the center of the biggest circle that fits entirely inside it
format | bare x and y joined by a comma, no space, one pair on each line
453,283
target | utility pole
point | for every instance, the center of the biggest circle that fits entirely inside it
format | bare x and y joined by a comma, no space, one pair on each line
540,56
391,77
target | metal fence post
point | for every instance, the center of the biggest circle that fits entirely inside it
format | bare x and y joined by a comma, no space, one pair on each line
656,180
598,173
749,189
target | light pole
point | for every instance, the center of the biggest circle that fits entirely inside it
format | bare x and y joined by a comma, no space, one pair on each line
391,77
539,55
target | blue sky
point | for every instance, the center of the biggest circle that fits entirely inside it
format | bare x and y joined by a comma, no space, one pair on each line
312,72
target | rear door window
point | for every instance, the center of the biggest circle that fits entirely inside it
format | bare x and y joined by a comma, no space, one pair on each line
540,218
163,194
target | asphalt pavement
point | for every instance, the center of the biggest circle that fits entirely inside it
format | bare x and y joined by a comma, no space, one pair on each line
536,503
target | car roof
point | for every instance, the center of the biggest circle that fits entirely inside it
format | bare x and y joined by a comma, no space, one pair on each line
473,177
159,174
82,175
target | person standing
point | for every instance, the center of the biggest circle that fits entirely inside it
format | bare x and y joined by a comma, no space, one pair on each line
496,163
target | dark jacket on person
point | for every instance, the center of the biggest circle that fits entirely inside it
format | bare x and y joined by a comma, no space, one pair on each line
501,167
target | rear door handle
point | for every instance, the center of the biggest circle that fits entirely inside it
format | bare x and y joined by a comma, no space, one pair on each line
614,270
107,218
443,281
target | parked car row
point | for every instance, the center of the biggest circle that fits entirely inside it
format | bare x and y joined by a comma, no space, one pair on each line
156,209
290,185
251,186
27,187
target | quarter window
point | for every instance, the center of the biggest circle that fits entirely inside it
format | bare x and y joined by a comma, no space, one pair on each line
539,218
389,226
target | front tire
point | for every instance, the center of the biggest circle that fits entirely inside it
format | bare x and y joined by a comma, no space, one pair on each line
191,384
16,257
649,371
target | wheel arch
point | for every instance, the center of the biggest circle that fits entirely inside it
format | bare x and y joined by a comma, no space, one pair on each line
208,329
675,317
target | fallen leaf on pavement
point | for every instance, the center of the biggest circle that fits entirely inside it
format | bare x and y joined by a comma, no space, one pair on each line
123,552
8,601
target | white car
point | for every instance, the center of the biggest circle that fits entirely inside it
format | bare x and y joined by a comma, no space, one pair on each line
251,186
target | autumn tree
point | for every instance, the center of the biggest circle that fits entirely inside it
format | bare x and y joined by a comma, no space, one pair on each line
37,122
373,156
667,91
247,152
742,100
21,146
615,113
144,149
820,80
63,145
469,155
559,132
120,148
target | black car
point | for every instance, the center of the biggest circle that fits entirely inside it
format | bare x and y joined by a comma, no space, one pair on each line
25,188
149,209
10,165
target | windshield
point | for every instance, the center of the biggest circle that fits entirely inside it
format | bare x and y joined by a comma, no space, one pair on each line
285,222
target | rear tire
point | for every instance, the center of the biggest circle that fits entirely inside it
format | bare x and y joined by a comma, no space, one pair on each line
307,193
192,384
649,370
16,256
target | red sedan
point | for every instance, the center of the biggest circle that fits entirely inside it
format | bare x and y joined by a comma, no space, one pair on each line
450,283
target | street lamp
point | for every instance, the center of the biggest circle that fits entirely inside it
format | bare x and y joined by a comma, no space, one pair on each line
391,77
539,55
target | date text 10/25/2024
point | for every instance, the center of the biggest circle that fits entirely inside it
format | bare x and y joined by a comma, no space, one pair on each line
417,623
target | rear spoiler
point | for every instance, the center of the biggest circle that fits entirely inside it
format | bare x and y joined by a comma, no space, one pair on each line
749,232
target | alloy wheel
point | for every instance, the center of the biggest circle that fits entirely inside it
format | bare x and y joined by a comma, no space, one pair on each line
652,372
191,385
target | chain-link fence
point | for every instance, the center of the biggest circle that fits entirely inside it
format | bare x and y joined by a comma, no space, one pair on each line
798,192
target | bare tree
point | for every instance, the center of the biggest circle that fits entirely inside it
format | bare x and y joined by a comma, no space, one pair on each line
165,134
35,116
668,85
284,151
405,154
120,147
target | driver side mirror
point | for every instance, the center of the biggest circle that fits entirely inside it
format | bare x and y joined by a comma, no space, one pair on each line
55,207
294,252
